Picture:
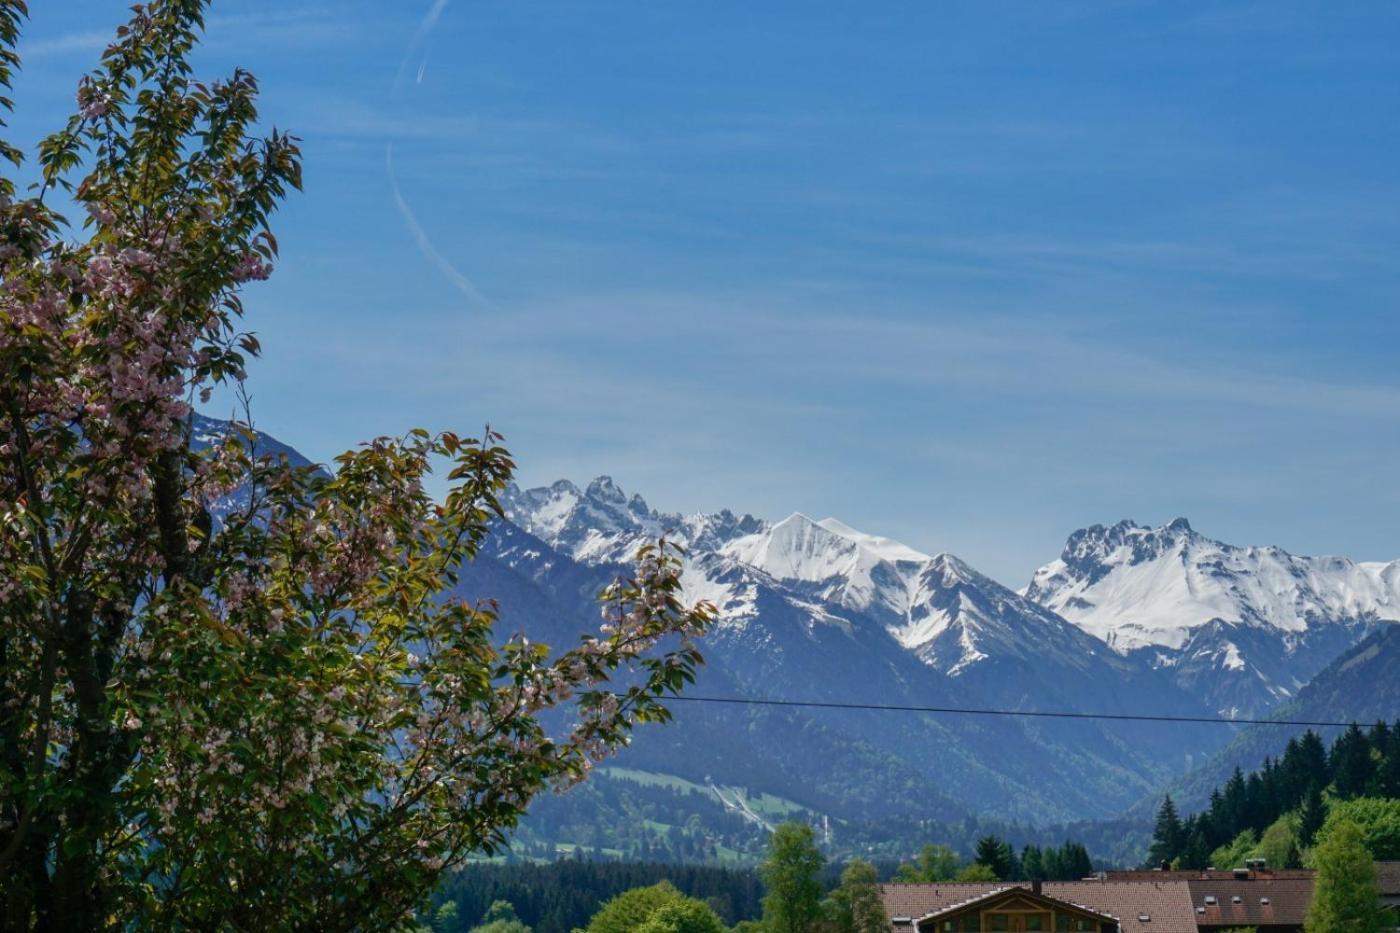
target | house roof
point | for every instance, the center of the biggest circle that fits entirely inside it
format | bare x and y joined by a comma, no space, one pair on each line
1016,893
1221,874
1388,875
918,900
1388,879
1166,903
1262,902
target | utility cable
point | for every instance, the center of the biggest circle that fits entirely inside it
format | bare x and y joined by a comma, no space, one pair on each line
1130,717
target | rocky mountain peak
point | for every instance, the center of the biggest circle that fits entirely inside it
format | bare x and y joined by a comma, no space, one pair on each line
603,489
1136,586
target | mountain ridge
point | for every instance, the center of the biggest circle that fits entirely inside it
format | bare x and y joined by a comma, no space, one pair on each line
814,609
911,628
1358,685
1245,626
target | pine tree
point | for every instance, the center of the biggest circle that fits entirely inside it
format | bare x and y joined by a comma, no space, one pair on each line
1167,836
1075,862
1351,763
1292,785
1032,865
1387,779
1257,810
1234,812
1310,816
1216,823
1196,854
1271,789
997,855
1050,863
1312,761
1379,736
1347,897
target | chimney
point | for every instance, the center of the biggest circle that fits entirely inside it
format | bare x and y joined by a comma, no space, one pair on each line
1035,886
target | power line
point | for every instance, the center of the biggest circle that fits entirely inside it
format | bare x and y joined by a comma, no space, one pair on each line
819,704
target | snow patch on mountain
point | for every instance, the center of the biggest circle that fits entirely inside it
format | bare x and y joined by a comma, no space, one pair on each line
833,562
939,609
885,548
1136,586
602,524
1239,627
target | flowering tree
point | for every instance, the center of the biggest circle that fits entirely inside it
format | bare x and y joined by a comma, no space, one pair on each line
234,692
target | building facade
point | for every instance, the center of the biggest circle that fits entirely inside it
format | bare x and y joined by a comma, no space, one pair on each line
1272,901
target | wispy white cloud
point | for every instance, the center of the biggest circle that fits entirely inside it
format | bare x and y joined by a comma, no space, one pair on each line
66,44
775,401
301,27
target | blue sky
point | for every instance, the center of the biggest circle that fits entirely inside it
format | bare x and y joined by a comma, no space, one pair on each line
971,275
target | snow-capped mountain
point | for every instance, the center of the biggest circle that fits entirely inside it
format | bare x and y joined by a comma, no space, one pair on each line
1247,625
814,609
938,607
602,523
948,614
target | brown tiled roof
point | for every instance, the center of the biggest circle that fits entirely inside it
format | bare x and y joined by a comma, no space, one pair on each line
1388,874
916,900
1011,891
1222,874
1167,903
1288,900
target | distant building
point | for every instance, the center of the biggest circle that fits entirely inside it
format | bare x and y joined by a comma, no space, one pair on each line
1126,906
1273,901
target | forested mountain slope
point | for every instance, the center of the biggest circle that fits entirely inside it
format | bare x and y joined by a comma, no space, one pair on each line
1363,685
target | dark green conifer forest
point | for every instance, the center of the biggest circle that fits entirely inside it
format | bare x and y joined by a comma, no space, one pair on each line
1276,813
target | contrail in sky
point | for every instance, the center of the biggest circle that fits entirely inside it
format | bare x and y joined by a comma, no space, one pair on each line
420,236
425,244
420,36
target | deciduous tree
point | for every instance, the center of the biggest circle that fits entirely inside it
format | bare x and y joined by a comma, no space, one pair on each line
630,909
1346,898
238,694
855,904
977,872
500,917
790,875
686,916
1378,820
935,863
